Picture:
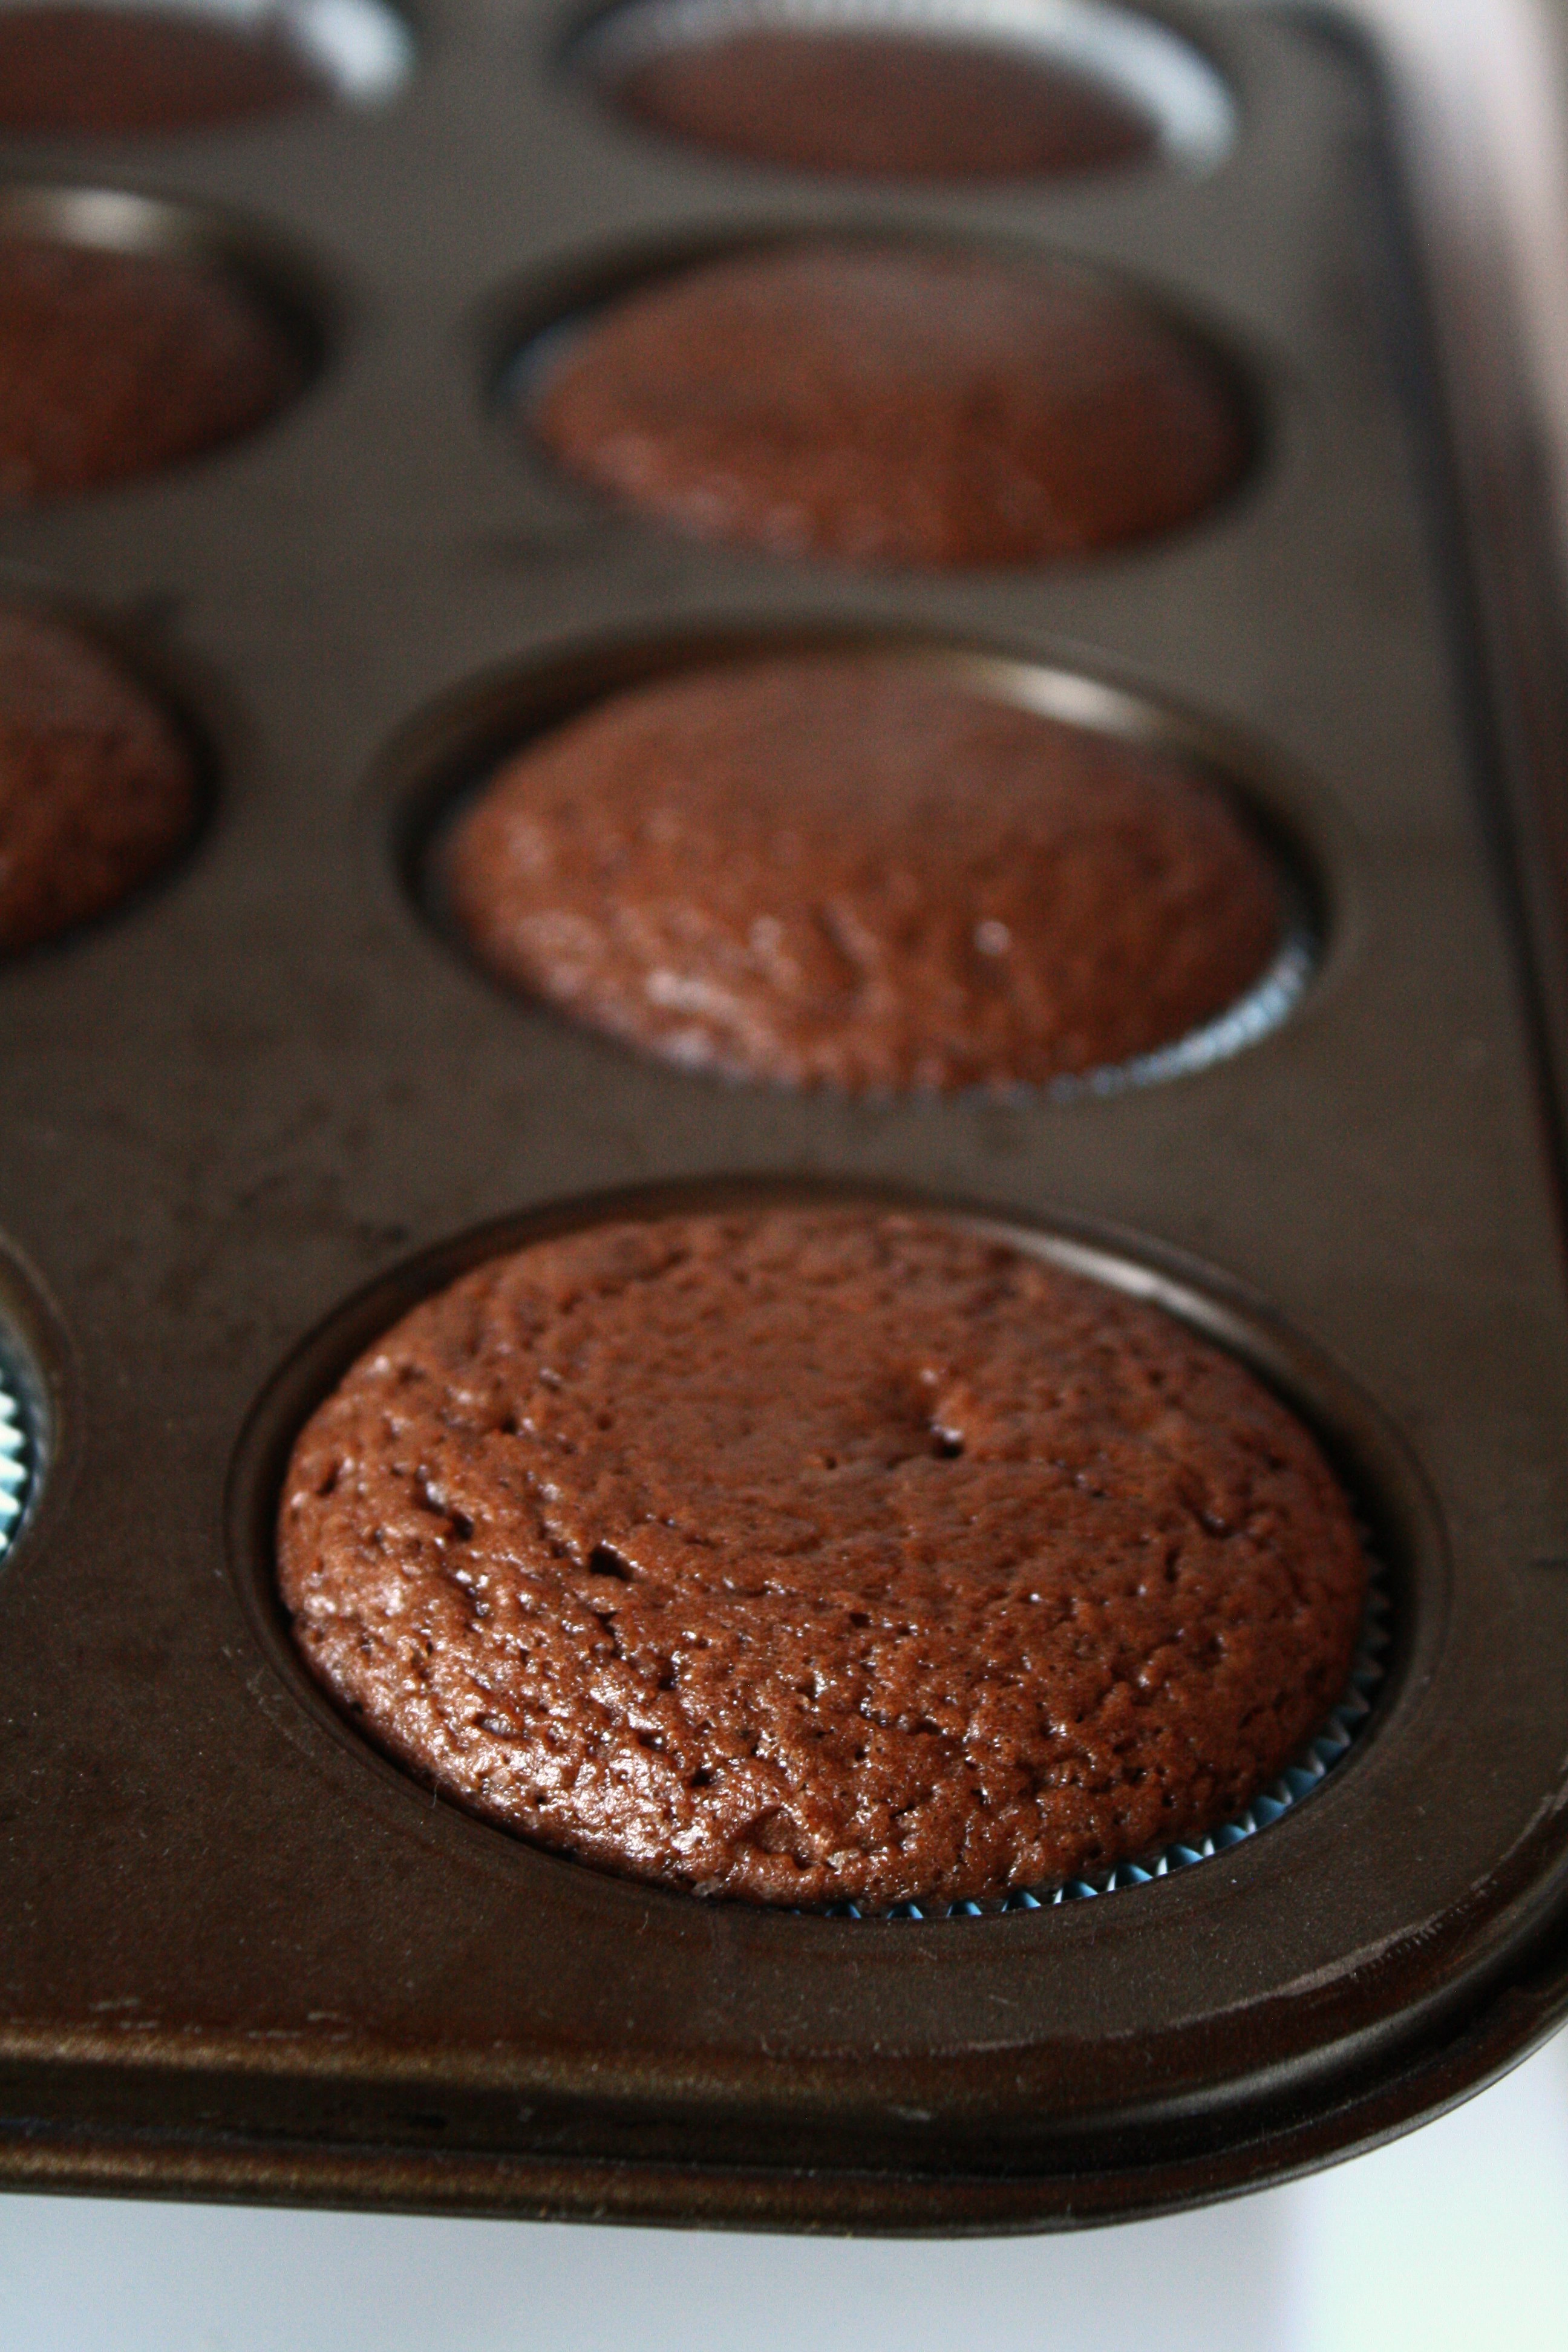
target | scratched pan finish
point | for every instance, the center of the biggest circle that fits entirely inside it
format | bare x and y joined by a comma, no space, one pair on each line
252,1117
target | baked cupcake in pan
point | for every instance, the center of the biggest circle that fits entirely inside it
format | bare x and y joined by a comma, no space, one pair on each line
99,784
70,68
892,407
866,871
876,103
823,1555
115,364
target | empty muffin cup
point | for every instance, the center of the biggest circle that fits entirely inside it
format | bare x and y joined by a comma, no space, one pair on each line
892,405
879,870
129,342
943,92
120,69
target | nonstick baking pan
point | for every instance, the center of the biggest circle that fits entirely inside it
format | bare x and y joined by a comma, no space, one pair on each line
253,1116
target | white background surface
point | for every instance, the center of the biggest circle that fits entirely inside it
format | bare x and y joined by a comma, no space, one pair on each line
1455,2240
1457,2237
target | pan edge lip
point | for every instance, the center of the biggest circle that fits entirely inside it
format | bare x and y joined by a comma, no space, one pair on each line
861,2200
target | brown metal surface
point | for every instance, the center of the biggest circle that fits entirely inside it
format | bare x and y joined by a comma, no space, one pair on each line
244,1121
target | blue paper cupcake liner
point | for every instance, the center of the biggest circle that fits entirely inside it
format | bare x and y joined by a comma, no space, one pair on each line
17,1458
1267,1004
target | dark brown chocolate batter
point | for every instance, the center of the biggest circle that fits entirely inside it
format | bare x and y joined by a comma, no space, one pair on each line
71,69
862,872
894,405
884,105
98,789
114,364
819,1555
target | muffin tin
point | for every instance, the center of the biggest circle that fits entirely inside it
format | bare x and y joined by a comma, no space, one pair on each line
256,1114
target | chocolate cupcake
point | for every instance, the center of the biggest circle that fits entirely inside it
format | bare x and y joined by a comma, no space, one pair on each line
883,104
866,872
115,364
814,1555
70,70
98,786
893,405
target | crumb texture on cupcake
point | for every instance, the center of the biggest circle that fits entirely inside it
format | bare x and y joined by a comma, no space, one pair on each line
115,364
861,871
884,105
68,69
98,786
894,407
819,1554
